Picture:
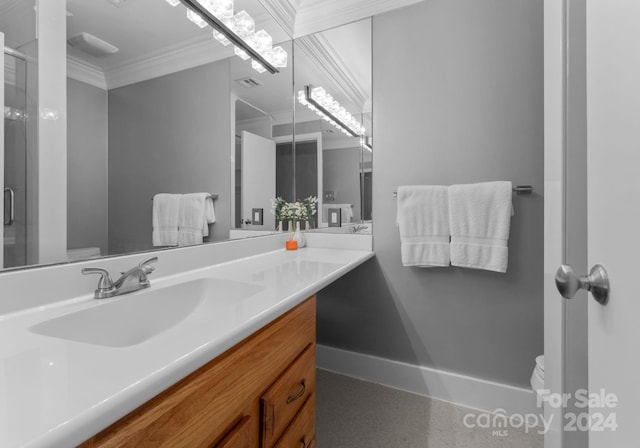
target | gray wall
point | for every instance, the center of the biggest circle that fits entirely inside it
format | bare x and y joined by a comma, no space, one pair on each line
168,135
341,174
86,166
458,98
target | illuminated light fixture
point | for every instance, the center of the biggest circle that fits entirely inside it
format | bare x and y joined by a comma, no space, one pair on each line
241,53
262,42
366,143
196,18
217,35
258,67
243,24
239,30
173,2
323,104
279,57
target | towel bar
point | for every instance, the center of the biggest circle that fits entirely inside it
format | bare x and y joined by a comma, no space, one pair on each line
519,189
213,197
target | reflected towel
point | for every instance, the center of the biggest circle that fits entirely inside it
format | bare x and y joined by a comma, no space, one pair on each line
192,219
423,221
165,219
480,219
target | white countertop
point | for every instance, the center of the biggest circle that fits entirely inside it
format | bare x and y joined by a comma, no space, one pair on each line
57,393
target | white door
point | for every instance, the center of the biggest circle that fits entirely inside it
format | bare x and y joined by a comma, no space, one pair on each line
258,177
613,116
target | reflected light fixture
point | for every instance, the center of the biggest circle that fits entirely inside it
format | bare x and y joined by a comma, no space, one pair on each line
238,29
366,143
323,104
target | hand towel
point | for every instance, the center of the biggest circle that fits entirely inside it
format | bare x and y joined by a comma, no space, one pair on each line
209,215
480,219
165,219
423,220
192,219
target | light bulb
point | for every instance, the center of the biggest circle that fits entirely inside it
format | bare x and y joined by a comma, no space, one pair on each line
279,57
262,41
195,18
222,9
258,66
241,53
217,35
243,24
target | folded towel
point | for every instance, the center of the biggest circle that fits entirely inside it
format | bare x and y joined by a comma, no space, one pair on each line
479,220
423,219
165,219
192,219
209,215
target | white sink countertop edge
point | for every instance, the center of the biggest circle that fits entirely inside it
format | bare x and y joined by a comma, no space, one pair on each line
59,393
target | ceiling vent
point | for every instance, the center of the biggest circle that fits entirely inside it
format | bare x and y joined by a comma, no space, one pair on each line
249,82
92,45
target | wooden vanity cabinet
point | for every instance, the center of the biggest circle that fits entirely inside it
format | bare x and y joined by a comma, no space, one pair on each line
258,394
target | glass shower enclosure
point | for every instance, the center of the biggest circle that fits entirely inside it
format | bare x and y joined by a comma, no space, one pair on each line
15,158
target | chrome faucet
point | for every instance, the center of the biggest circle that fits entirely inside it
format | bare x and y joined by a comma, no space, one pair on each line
132,280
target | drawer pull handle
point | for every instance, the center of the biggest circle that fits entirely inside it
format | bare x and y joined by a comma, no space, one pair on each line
300,393
303,443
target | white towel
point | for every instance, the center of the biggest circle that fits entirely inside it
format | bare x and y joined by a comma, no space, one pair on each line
192,219
423,219
479,219
165,219
209,215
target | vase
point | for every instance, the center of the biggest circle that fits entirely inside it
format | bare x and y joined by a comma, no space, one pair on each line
280,226
307,225
298,236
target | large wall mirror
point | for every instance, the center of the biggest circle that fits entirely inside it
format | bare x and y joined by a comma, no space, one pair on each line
156,104
333,131
327,154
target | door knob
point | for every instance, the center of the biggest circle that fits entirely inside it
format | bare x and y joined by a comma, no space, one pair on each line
597,282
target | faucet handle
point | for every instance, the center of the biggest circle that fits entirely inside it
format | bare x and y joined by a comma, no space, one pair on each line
146,265
105,283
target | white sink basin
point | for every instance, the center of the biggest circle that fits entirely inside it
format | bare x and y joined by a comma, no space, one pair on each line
133,318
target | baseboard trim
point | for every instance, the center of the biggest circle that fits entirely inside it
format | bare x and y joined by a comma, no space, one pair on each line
454,388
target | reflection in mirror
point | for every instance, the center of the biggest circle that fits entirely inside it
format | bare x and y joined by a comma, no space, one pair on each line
262,104
150,99
333,140
18,25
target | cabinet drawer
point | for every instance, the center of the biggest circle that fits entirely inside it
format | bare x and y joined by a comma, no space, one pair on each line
239,436
302,431
286,396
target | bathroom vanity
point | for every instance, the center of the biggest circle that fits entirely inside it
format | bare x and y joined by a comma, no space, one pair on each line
218,351
259,393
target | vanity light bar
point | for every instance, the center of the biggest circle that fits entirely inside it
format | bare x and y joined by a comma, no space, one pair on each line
218,25
309,99
366,143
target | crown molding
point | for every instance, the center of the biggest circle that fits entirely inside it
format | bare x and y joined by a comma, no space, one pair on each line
166,61
327,60
284,12
318,15
84,72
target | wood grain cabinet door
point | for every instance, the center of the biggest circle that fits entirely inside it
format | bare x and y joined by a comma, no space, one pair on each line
241,436
282,401
302,431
